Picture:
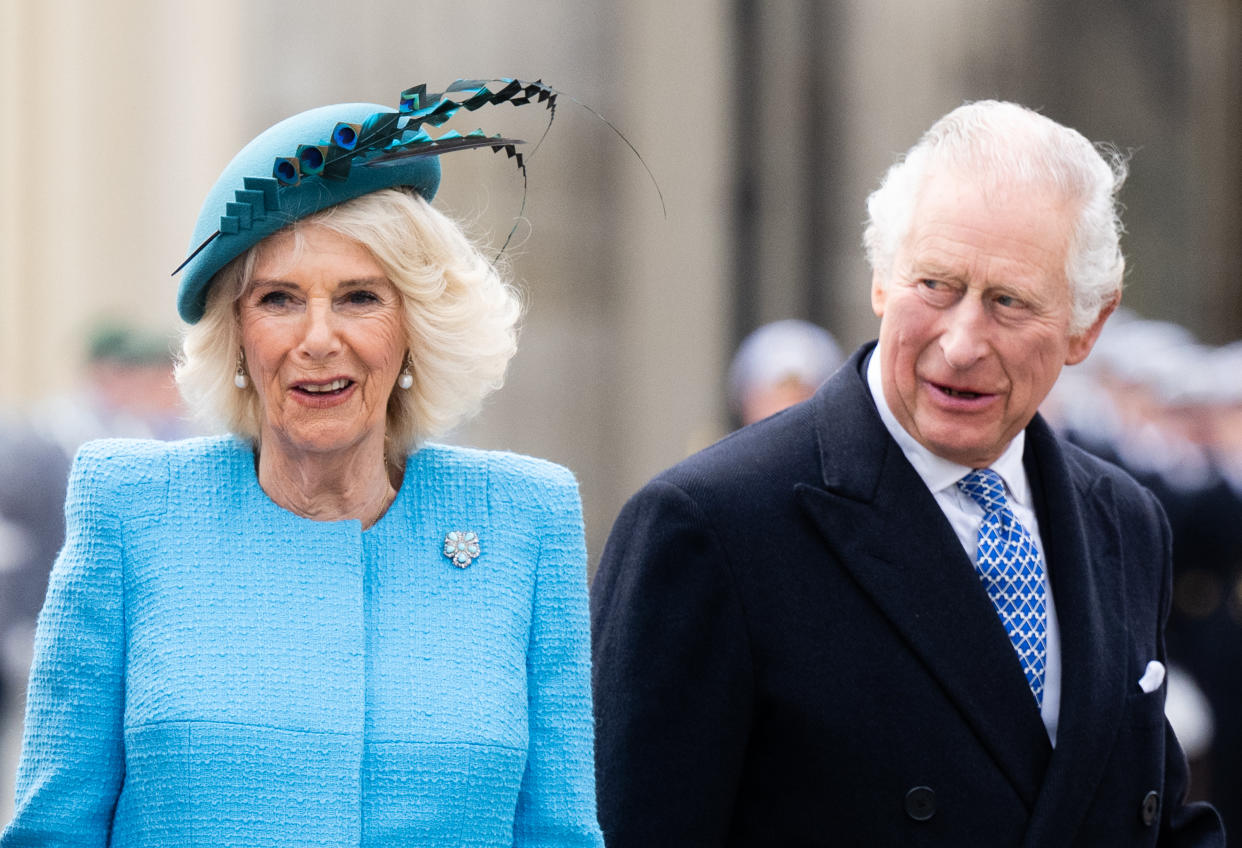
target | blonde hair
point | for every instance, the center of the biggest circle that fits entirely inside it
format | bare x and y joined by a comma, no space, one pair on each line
461,317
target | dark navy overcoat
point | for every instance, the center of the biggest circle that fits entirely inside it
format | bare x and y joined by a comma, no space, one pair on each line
791,648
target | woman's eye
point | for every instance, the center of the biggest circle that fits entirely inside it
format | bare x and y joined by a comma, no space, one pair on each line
275,298
361,297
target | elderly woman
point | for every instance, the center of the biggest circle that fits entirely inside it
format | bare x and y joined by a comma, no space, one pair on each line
321,630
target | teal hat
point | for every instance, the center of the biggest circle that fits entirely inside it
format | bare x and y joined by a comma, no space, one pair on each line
328,155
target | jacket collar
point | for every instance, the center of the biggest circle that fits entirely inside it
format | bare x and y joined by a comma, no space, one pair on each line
882,524
1082,545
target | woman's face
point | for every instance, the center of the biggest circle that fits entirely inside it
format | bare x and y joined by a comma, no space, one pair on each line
323,337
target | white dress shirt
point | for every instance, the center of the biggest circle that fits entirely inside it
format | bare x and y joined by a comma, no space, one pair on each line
966,516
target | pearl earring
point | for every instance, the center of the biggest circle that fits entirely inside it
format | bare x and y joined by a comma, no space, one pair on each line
406,379
239,379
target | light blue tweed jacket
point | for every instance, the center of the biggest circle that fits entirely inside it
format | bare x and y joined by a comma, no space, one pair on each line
213,670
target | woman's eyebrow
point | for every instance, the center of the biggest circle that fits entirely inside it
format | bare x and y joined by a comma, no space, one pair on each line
365,281
273,282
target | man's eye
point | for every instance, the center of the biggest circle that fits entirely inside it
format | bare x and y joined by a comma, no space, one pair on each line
937,292
1008,301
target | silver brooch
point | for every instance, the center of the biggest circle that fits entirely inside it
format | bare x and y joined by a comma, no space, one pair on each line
462,547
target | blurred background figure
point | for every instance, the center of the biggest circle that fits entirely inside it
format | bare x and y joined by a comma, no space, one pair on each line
1156,401
32,495
1224,423
778,365
126,389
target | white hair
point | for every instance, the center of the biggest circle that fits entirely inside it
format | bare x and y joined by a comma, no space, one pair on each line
1005,144
461,319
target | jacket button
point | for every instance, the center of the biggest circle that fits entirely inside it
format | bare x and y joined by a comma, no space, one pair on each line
1150,808
921,803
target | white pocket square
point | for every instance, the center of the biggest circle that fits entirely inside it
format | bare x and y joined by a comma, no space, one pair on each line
1152,677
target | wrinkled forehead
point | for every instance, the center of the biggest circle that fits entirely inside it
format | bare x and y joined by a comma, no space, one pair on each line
999,183
963,227
981,197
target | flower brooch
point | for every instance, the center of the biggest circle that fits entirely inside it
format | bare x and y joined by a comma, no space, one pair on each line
461,547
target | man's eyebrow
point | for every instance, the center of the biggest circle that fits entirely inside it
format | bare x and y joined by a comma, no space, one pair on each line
933,268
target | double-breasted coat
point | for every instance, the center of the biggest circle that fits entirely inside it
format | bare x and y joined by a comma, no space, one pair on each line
791,647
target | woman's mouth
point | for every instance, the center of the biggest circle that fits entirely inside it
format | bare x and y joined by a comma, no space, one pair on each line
332,387
323,394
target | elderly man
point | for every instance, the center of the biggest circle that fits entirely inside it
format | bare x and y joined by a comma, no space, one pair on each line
903,612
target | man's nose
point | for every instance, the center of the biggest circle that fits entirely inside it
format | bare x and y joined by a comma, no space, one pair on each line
964,340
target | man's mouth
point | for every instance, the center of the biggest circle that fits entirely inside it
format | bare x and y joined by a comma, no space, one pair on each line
958,393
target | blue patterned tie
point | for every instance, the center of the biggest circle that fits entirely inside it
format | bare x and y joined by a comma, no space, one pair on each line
1012,571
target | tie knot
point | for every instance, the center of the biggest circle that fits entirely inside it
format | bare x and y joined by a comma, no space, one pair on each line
985,487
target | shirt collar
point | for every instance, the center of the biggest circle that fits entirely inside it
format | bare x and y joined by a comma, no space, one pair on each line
937,472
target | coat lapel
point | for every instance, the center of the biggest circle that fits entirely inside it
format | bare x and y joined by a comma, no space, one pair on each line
881,523
1079,527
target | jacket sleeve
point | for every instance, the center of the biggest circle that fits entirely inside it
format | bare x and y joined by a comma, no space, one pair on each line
672,673
556,801
72,760
1185,825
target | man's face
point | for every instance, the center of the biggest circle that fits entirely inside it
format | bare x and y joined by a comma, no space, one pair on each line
975,316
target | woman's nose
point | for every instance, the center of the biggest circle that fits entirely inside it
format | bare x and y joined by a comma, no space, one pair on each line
319,338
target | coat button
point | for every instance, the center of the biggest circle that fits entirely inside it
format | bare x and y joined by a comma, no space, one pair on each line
921,803
1150,808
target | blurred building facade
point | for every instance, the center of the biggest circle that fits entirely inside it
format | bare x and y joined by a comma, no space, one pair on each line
766,125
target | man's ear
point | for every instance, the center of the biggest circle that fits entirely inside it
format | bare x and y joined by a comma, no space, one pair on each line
878,292
1081,344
